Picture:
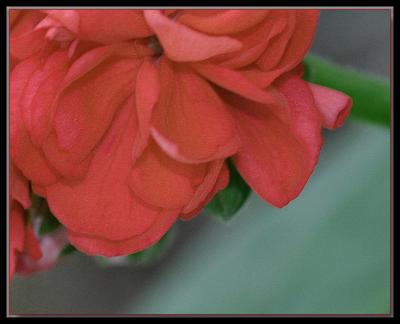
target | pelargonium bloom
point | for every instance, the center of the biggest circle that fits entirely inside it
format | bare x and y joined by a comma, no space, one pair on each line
123,119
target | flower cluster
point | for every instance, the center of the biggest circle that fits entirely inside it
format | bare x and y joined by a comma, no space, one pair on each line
123,119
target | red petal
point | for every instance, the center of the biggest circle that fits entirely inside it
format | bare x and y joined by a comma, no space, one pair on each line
281,144
68,18
191,123
235,82
276,48
94,57
204,189
38,190
62,162
40,92
147,94
298,70
183,44
26,157
19,187
164,182
91,74
222,182
284,54
333,105
102,204
300,41
221,22
24,40
17,227
92,245
17,235
32,247
104,26
87,106
255,41
26,22
27,44
13,62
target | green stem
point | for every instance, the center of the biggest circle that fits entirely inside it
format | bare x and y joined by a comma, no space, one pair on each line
371,96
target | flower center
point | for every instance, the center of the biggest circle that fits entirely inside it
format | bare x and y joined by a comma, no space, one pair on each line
155,45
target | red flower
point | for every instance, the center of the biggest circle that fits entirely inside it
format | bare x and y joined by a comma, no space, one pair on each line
23,243
124,118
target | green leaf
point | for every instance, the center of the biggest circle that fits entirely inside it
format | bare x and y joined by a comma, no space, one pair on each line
227,202
371,96
154,252
67,250
49,224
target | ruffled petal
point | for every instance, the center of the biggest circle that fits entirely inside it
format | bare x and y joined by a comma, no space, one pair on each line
104,26
25,155
28,44
334,106
17,227
68,18
19,187
281,144
39,190
221,183
255,41
183,44
147,94
303,33
39,94
17,235
277,46
85,107
190,122
102,204
234,81
221,22
61,160
163,182
94,57
92,245
24,39
286,51
206,187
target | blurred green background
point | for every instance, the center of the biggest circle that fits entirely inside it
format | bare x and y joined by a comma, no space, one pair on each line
328,252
